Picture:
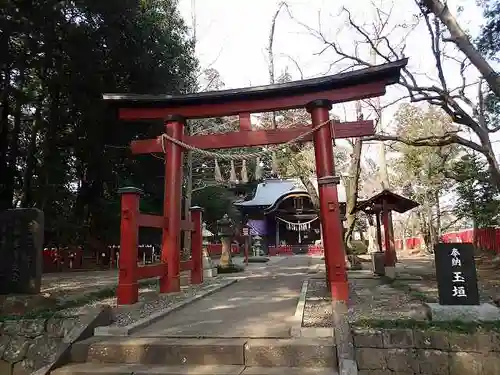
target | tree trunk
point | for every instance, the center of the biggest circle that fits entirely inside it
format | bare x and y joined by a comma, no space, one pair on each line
461,40
270,56
403,237
438,217
14,139
27,196
49,147
352,185
373,245
424,230
352,188
5,194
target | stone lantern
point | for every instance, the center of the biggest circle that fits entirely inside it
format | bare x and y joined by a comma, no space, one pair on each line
208,267
225,227
257,246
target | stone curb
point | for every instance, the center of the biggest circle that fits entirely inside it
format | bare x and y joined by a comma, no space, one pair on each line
144,322
344,341
98,317
296,329
318,332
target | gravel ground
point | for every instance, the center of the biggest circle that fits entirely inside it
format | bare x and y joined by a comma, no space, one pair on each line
487,266
318,306
369,299
73,285
372,299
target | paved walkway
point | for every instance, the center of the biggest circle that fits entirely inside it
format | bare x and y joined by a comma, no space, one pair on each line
260,305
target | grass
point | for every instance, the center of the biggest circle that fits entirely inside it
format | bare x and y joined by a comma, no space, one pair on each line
456,326
46,313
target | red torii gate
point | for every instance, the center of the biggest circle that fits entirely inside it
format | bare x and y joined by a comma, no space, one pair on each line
316,95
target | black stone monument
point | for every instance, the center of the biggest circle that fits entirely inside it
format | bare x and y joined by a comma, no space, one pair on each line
456,274
21,242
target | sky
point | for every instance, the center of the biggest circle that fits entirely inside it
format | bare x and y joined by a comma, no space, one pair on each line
232,37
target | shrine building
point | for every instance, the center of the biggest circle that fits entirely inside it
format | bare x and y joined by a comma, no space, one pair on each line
282,213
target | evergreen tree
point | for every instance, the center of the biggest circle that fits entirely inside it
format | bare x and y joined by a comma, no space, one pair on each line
61,148
477,197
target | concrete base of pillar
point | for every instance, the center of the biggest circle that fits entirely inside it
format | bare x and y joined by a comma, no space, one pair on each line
378,266
210,272
390,272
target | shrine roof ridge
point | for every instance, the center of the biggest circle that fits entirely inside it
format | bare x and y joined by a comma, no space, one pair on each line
389,73
395,202
272,191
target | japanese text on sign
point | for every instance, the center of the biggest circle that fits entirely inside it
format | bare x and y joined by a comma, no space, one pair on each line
458,278
456,274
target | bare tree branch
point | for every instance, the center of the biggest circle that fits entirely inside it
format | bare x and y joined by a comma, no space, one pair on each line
454,102
433,141
297,65
461,40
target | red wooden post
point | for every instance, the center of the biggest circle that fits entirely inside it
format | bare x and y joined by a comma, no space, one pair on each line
128,290
333,241
390,254
171,242
197,245
379,231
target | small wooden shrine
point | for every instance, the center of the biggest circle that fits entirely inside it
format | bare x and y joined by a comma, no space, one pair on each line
381,206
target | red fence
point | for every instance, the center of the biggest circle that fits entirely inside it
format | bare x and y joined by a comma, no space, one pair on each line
315,250
288,250
280,250
130,272
56,259
486,239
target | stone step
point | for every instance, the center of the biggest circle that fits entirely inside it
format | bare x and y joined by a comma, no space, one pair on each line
297,352
130,369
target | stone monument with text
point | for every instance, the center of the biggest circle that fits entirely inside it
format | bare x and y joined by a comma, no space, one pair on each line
21,242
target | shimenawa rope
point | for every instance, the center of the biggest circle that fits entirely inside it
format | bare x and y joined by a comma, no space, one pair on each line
240,156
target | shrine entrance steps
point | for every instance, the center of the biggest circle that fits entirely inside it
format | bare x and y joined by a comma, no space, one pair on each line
243,329
148,356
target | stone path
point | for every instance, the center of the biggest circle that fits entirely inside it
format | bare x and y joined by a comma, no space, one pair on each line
261,305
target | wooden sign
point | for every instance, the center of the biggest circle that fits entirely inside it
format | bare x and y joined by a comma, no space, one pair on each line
456,274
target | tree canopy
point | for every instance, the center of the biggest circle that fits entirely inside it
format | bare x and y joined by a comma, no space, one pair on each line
61,149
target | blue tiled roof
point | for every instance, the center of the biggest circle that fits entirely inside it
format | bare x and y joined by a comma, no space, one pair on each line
269,191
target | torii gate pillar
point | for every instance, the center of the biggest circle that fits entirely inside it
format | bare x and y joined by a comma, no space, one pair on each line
331,225
171,241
